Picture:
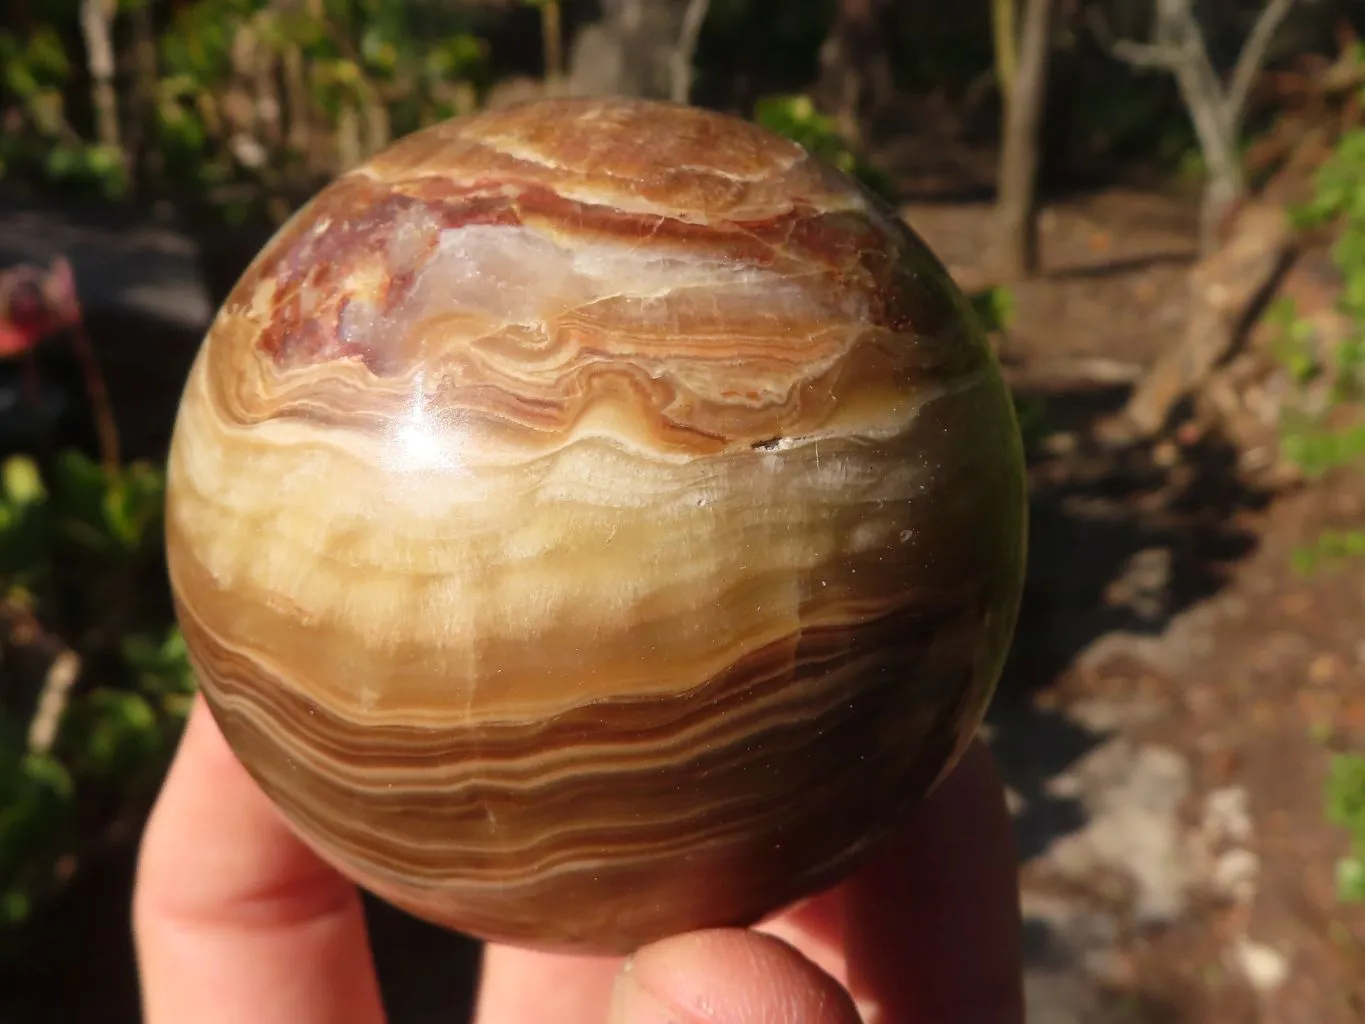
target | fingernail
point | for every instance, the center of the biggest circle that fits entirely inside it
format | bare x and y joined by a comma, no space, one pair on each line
632,1003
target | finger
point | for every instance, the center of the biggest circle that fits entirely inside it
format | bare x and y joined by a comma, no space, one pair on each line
519,986
932,927
708,977
929,928
234,918
727,976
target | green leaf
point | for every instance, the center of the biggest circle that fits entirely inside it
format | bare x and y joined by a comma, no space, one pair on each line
459,56
1351,880
15,906
35,790
23,482
994,307
47,56
80,480
20,80
46,775
1346,793
117,514
111,733
162,669
36,794
796,118
25,549
119,517
379,52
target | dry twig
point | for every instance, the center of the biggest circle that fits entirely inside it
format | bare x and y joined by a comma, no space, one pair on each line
22,628
1217,107
61,676
694,17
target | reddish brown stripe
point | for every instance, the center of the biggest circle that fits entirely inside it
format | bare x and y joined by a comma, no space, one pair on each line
613,810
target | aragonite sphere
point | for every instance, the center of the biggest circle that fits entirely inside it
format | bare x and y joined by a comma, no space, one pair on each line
595,520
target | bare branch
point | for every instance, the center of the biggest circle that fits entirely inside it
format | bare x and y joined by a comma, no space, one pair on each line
1215,105
552,33
1130,51
19,625
686,50
1251,58
1145,55
47,719
97,26
1016,195
1194,70
1006,46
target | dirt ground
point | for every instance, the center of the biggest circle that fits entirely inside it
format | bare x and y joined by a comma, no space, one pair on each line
1171,637
1167,716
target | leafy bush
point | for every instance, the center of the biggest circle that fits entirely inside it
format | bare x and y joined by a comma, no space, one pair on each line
75,737
337,88
96,679
1317,447
35,74
995,307
1328,379
261,99
1309,440
1346,808
1330,548
796,117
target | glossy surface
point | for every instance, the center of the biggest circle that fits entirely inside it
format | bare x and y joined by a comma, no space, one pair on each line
595,520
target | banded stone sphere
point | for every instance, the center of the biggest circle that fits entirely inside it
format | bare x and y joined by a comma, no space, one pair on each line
595,520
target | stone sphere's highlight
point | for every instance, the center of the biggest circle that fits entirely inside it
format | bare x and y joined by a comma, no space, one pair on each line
595,520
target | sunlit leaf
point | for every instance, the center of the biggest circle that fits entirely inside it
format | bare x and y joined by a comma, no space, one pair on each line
111,732
23,483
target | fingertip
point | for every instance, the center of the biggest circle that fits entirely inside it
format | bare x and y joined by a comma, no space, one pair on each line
933,920
727,976
518,986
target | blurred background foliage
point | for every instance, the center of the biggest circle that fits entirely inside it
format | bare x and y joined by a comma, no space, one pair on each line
258,101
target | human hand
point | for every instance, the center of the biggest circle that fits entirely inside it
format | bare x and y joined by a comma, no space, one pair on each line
237,921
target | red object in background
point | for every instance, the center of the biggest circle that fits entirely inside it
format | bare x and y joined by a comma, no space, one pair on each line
35,302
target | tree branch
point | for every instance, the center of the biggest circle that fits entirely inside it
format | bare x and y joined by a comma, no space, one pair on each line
1198,78
686,50
61,676
97,26
1145,55
1006,46
1130,51
1251,58
1215,105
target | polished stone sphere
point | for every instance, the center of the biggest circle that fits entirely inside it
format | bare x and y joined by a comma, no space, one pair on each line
595,520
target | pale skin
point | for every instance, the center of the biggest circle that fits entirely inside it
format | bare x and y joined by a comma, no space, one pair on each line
236,921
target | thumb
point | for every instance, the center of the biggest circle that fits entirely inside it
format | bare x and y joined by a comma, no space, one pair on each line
726,976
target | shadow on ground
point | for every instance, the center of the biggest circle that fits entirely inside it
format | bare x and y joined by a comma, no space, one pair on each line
1122,540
